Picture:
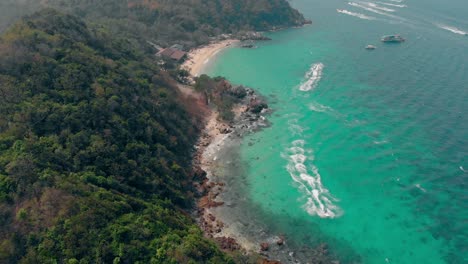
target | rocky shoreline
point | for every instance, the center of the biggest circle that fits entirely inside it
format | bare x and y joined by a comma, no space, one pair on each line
249,117
210,188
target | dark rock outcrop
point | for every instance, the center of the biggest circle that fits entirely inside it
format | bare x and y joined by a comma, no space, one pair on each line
256,106
253,36
280,241
238,91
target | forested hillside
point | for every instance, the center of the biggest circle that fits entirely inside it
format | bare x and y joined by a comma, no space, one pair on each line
190,22
94,151
95,142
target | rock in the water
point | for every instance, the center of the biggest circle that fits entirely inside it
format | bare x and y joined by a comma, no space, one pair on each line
256,106
280,241
264,246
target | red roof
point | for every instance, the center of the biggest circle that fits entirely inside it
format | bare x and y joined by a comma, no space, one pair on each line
173,54
167,52
178,55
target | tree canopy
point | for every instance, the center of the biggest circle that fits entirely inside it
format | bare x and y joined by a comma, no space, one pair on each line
94,151
190,22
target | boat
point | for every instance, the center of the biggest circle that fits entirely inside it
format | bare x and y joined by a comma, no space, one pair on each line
392,39
370,47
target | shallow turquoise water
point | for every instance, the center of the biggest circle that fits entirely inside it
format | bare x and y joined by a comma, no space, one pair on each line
368,149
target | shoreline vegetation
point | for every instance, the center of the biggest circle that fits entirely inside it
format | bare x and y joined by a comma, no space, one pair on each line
90,119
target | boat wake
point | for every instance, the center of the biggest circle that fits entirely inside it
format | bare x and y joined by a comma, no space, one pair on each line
378,7
319,201
374,10
312,77
452,29
394,5
359,15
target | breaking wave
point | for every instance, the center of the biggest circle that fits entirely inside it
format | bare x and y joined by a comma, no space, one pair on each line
319,201
359,15
452,29
312,77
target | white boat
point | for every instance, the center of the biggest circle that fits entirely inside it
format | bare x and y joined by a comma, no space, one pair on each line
392,39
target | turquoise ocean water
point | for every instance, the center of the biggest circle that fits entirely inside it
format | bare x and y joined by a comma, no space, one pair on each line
368,150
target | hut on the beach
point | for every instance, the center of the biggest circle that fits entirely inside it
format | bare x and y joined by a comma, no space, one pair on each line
174,52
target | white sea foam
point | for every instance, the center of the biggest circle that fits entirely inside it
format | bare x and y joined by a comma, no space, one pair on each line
312,77
316,107
452,29
359,15
318,199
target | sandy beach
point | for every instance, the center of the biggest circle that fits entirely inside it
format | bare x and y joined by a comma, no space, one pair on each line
199,57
